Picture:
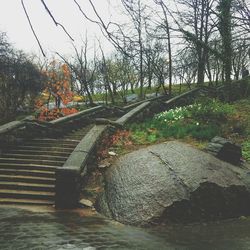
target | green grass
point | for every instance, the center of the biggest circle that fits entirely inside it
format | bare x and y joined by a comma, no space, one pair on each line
200,120
246,150
197,124
176,90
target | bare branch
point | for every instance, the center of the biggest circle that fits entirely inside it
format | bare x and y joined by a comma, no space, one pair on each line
84,14
103,27
33,31
56,23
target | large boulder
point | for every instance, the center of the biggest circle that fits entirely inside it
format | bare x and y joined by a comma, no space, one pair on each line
173,182
225,150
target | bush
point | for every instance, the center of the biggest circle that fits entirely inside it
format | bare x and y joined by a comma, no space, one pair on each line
210,110
201,121
246,150
44,114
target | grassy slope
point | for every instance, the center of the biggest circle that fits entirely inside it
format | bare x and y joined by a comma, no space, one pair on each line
243,112
235,127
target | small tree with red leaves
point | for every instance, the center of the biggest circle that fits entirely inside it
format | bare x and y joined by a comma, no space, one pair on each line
57,87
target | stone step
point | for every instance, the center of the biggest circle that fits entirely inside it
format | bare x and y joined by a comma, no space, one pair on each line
24,194
38,152
71,144
26,202
38,173
34,156
44,148
27,170
31,161
24,166
78,133
4,185
27,179
75,137
53,140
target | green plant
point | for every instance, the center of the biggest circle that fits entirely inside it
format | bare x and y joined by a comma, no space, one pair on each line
173,115
246,150
210,110
201,121
139,136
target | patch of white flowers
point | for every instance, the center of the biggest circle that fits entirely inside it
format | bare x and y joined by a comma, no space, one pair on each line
177,113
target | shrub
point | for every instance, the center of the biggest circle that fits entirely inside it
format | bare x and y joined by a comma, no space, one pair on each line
44,114
210,110
246,150
200,120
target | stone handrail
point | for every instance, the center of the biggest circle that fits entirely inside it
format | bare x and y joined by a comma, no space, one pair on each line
68,177
10,126
130,106
77,115
185,94
128,116
31,126
15,125
202,89
9,131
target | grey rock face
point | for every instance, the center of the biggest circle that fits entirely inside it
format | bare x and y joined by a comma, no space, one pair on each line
173,182
132,98
225,150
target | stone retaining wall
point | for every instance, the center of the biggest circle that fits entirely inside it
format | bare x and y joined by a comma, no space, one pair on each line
68,177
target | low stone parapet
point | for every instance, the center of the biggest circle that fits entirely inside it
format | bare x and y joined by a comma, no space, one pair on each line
68,177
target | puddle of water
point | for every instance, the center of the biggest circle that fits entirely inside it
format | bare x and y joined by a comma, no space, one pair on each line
82,229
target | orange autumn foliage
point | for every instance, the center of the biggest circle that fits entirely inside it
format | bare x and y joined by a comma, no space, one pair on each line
58,83
119,138
57,88
49,115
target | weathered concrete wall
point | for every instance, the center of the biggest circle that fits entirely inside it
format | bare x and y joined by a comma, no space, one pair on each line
68,177
10,132
154,99
132,113
182,99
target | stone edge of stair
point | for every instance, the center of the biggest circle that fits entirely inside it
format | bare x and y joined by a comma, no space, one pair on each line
68,176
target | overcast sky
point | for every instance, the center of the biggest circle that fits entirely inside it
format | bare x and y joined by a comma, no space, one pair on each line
14,22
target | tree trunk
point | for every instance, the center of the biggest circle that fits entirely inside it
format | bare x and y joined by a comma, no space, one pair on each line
225,27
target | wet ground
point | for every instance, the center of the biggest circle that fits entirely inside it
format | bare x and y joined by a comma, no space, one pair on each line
81,229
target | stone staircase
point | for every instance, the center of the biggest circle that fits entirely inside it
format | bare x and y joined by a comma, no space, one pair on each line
27,170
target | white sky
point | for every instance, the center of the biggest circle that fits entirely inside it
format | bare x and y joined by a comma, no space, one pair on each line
13,21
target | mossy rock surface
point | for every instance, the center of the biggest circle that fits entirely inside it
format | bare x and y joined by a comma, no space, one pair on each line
173,182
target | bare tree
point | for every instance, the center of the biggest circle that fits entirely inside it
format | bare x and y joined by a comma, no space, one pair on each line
225,28
103,66
20,79
186,68
166,27
135,10
81,70
196,25
242,9
239,57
